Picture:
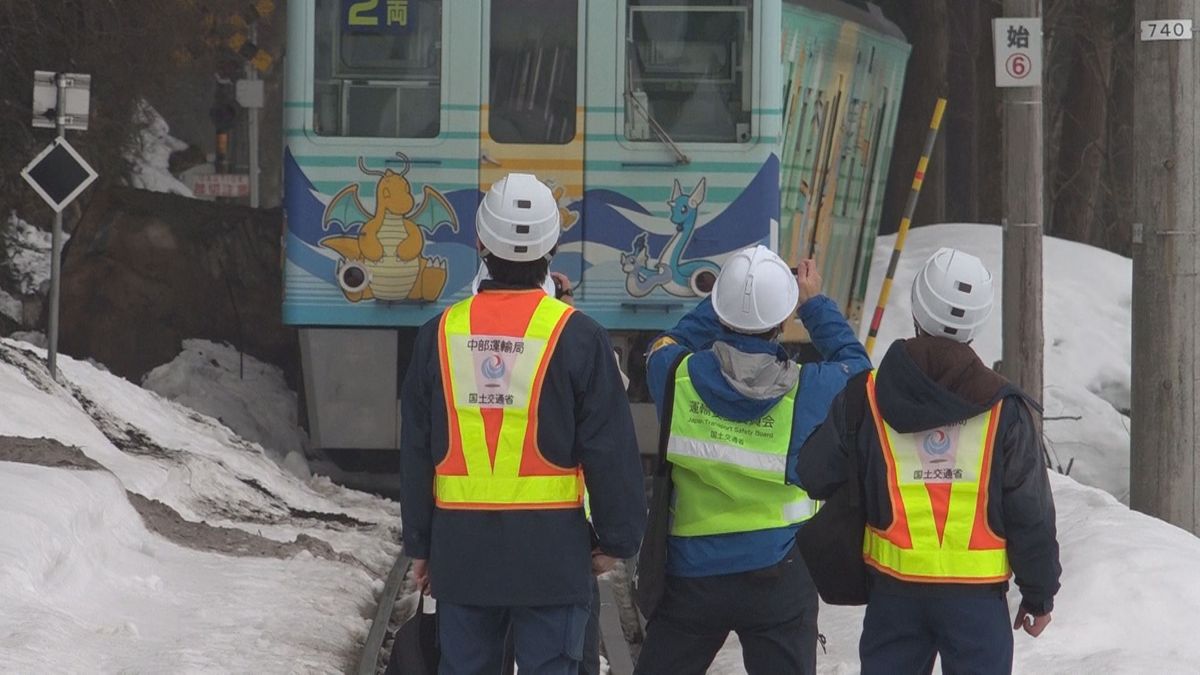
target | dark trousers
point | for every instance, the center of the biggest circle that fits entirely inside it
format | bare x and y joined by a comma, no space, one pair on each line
773,611
902,635
546,640
591,639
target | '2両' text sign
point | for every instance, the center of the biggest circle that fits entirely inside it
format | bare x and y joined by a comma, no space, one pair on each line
1017,44
1166,29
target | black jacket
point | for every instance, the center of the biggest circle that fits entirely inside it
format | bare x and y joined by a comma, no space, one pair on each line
526,558
928,382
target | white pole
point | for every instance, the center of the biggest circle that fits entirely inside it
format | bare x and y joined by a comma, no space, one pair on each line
60,85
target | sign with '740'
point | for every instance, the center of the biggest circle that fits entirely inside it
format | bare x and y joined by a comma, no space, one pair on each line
1167,29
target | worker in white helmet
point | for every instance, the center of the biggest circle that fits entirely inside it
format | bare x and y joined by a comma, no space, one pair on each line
953,485
512,399
737,405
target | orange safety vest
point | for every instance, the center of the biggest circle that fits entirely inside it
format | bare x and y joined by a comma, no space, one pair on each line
938,489
494,348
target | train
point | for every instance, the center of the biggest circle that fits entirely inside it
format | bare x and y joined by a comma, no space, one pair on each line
672,133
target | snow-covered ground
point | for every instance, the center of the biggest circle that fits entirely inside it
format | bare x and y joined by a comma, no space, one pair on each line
245,394
1130,598
28,255
150,158
176,546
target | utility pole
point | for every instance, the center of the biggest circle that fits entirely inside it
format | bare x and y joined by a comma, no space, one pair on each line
1023,185
56,232
1164,469
252,127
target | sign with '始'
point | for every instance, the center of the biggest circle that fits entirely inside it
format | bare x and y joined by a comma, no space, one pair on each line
1017,45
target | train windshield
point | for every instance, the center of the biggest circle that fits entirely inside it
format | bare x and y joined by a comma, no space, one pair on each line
689,65
534,45
378,68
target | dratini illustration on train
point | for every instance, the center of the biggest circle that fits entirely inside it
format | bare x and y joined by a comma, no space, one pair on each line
670,271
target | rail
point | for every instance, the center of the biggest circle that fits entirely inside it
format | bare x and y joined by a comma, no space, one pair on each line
368,661
620,661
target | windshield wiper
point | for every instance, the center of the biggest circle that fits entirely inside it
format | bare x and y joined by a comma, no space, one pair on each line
663,136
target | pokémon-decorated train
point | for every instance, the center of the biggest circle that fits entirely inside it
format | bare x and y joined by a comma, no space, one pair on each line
672,133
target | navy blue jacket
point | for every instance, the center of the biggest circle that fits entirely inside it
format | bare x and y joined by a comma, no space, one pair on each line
925,383
696,332
527,558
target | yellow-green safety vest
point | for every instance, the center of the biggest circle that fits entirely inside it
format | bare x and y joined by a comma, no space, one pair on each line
729,476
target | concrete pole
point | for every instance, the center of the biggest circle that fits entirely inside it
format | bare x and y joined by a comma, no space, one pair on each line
252,130
1023,184
60,121
1164,471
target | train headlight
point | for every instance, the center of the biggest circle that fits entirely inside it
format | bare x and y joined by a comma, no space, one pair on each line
353,277
702,282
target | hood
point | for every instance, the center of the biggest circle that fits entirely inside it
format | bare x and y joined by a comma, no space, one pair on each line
742,380
928,382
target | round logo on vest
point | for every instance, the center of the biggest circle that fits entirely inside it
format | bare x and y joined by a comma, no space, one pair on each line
937,443
493,367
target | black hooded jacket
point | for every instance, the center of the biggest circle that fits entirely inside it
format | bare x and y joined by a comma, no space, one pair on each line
928,382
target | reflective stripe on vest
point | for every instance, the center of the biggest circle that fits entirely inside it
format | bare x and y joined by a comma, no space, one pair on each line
494,349
938,488
729,476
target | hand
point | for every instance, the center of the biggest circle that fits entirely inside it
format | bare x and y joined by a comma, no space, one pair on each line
420,573
809,280
1034,625
564,283
602,563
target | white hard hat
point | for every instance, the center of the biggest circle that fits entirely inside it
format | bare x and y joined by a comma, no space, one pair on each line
756,291
952,295
518,219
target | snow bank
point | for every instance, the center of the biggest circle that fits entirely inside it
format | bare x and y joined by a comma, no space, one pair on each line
86,588
151,156
1088,295
165,451
28,250
250,397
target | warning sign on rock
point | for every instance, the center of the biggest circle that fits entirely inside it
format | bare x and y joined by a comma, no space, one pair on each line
1017,44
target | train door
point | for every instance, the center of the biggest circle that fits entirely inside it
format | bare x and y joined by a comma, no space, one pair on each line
532,112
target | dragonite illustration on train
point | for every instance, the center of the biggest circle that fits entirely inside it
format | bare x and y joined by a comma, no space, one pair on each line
673,134
384,248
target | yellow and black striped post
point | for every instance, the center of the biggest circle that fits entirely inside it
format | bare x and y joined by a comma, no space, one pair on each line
909,208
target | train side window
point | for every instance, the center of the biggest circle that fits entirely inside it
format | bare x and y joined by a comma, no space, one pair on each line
688,70
378,68
534,46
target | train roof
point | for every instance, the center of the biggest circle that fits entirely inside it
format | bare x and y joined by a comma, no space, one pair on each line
859,11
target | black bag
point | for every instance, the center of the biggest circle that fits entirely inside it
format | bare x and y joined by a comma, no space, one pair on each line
831,542
651,574
415,649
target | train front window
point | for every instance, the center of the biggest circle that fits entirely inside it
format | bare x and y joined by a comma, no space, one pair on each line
688,70
378,68
532,94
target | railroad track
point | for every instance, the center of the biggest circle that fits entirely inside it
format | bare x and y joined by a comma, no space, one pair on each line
612,637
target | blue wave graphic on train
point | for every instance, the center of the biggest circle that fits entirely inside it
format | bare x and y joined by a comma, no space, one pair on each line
608,221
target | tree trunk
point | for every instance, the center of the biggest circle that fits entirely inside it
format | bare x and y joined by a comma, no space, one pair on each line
1077,191
927,26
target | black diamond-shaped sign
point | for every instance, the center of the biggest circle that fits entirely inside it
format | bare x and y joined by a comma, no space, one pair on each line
58,174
